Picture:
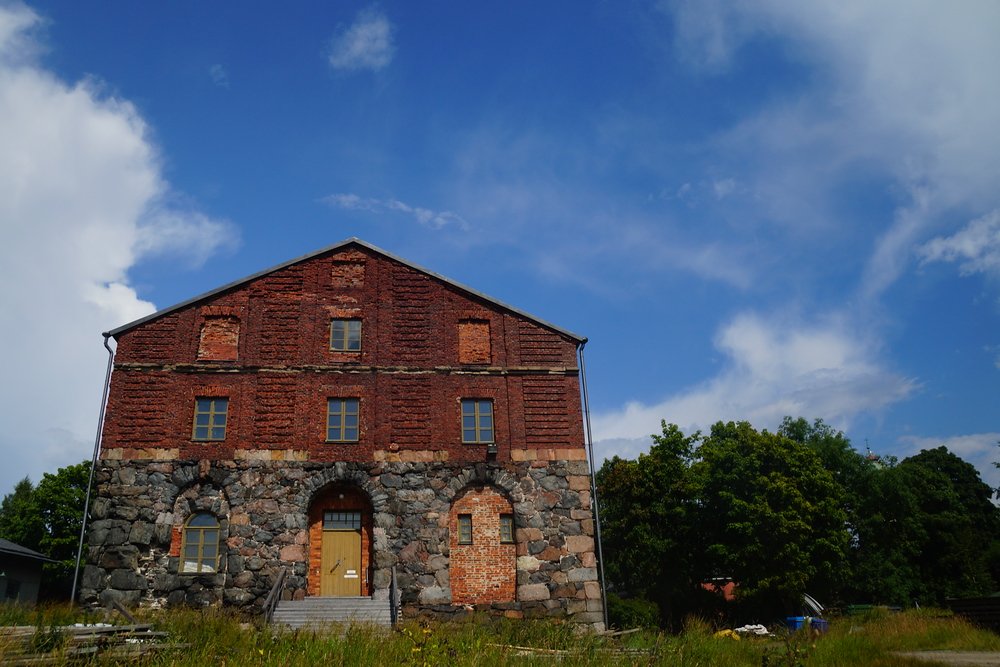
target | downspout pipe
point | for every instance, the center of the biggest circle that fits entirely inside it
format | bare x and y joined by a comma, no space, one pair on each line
593,483
93,465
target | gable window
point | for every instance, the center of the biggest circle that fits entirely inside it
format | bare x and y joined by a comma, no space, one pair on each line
506,528
200,544
210,418
345,335
342,420
465,529
477,420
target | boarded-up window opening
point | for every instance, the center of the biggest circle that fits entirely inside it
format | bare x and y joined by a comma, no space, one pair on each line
474,342
220,337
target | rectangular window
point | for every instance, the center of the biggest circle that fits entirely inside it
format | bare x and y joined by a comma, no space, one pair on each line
210,418
507,529
345,335
341,520
465,529
342,420
477,420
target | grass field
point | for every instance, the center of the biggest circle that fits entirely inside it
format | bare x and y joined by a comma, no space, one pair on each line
215,637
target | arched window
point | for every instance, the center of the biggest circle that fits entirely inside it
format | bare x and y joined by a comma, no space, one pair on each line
200,546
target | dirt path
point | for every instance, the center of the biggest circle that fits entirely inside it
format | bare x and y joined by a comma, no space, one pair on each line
956,658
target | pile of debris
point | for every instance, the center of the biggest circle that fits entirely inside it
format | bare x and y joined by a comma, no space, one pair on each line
30,645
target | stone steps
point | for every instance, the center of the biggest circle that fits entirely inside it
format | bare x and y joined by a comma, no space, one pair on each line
320,611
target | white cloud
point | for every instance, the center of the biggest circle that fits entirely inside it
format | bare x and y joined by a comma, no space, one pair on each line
365,44
707,32
425,216
188,234
976,246
81,201
16,42
219,75
773,368
902,87
723,188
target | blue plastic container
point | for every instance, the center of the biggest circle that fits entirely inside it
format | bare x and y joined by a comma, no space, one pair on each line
798,622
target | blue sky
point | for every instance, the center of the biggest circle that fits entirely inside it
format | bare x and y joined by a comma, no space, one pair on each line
751,209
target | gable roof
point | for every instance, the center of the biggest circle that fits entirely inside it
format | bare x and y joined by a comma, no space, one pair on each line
8,547
338,246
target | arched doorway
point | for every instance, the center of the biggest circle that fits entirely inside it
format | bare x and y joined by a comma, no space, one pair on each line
340,530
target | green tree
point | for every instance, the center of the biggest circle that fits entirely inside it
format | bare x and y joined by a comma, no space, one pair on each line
20,520
926,530
888,537
960,521
648,528
773,517
834,449
47,518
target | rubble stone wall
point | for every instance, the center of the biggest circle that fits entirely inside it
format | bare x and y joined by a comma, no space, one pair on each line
263,509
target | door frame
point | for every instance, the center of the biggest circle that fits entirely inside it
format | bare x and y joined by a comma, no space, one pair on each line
339,498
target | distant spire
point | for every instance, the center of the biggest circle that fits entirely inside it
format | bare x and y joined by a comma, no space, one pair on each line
871,456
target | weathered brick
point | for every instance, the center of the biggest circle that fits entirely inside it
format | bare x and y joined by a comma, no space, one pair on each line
483,571
264,344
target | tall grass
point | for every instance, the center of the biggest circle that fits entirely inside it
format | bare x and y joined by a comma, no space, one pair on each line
215,636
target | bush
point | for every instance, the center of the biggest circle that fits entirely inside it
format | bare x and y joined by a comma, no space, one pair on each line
632,613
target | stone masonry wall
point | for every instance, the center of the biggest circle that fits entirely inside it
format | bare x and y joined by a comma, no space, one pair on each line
263,510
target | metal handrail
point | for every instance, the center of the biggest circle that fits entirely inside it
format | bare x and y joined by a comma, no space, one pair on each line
271,601
393,602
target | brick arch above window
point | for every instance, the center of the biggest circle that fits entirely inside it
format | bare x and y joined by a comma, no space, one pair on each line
198,509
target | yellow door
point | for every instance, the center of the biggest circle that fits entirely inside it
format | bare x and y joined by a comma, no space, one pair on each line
341,562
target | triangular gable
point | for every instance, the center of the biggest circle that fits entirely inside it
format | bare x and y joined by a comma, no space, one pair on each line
333,248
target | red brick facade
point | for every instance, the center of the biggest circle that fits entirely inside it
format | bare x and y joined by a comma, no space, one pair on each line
276,382
483,571
265,345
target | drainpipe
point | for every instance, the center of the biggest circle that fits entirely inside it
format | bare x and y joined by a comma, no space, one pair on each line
93,465
593,483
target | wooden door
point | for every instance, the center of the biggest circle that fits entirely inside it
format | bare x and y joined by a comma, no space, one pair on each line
341,573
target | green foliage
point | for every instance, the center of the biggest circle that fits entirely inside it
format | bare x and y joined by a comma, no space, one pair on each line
214,636
627,613
960,524
754,506
927,530
20,520
648,533
796,511
46,639
793,651
773,516
47,518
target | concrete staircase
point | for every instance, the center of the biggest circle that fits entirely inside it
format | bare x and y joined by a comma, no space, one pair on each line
315,612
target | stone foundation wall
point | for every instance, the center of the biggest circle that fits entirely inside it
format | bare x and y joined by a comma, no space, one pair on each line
263,511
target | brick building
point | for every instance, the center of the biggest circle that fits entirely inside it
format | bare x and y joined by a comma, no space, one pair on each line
344,416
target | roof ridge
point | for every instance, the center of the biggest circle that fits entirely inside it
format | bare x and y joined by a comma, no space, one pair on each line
331,248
